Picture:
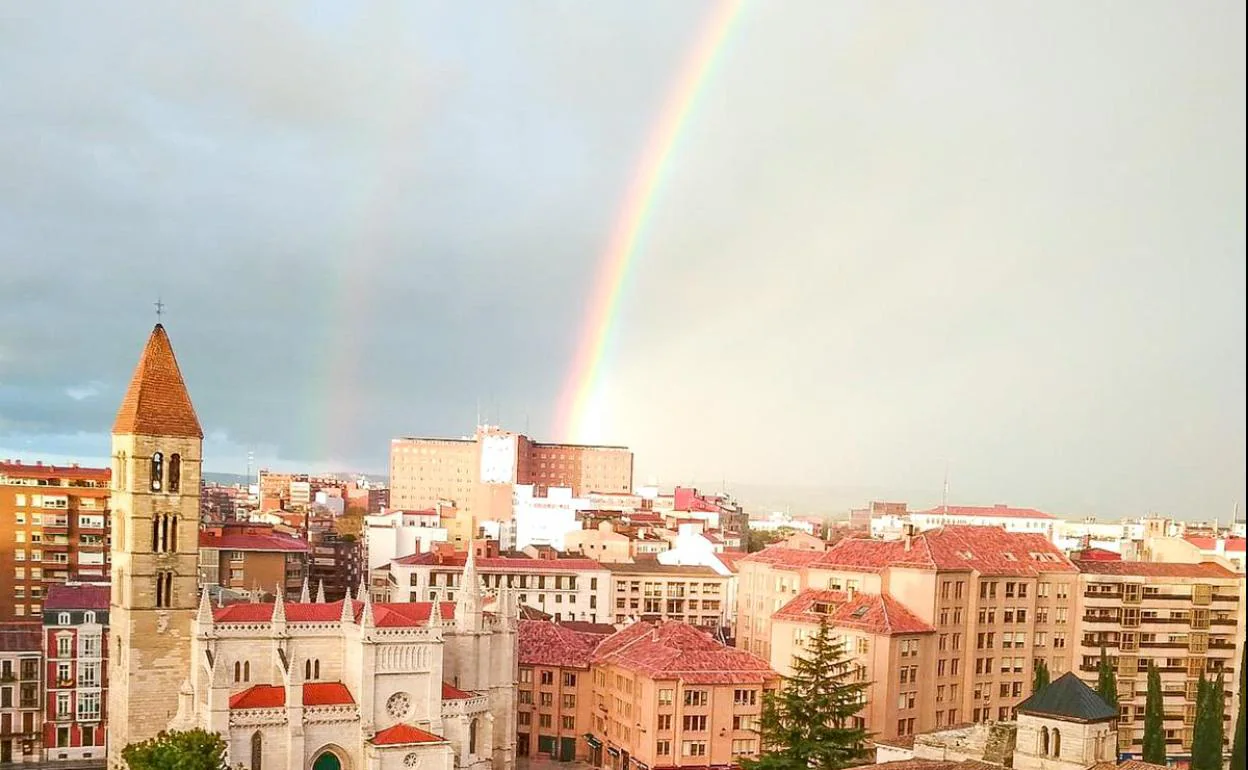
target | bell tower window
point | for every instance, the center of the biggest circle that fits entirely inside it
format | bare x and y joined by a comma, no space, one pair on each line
164,589
175,472
158,470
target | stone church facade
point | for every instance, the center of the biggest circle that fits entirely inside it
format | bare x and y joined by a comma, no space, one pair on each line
347,685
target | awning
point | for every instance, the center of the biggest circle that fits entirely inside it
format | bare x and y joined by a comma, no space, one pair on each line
592,741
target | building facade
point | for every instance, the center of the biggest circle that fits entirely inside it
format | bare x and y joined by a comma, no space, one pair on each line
668,695
75,629
53,528
567,589
243,556
554,691
651,591
1185,618
21,692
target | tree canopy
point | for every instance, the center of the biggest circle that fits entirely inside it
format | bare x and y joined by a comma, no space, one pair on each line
177,750
1154,718
1040,676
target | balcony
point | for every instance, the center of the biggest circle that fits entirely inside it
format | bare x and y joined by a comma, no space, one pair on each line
1100,619
57,525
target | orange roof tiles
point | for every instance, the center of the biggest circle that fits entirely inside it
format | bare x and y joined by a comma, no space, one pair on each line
500,563
874,613
252,542
267,696
451,692
543,643
156,403
1211,543
84,596
401,735
674,650
1155,569
987,550
996,511
784,558
21,470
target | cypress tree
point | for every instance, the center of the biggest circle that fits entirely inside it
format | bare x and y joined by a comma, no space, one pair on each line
808,724
1237,749
1208,732
1040,677
1107,681
1154,726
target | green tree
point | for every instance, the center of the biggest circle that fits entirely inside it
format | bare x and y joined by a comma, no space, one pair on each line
1238,748
757,539
174,750
1208,734
809,723
1040,676
1154,716
1107,681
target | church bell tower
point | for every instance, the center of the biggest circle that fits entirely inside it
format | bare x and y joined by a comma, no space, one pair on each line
156,457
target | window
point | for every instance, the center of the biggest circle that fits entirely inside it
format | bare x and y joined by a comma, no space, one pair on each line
164,589
257,747
526,676
472,737
64,646
158,461
175,484
663,748
1057,742
695,723
568,723
62,706
569,679
693,748
569,701
89,706
745,697
88,617
543,720
546,699
665,721
665,697
548,677
62,619
695,698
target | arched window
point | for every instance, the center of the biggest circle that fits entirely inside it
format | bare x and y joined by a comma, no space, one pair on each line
316,669
155,534
175,472
307,669
238,677
1057,742
257,746
158,471
173,532
247,671
472,737
88,617
164,533
1044,741
164,589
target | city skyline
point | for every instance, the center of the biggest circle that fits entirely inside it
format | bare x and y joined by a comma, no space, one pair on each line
885,244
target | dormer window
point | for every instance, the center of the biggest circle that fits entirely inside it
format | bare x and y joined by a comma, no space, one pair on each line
158,469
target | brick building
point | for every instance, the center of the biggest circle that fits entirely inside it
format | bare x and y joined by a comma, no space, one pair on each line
555,692
477,473
21,688
75,631
246,557
651,591
53,528
668,695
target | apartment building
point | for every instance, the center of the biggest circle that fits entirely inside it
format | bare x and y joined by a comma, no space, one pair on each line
75,630
477,473
335,564
668,695
567,589
554,690
1185,618
998,600
21,689
252,557
648,590
53,528
887,646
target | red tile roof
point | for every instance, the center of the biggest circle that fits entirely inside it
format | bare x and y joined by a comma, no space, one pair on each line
451,692
874,613
385,614
1211,543
256,542
784,558
1155,569
267,696
20,470
674,650
500,563
543,643
401,735
730,559
156,403
997,511
987,550
85,596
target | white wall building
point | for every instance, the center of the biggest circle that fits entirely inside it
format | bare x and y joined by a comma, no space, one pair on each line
1090,533
544,520
394,534
1010,519
780,520
693,549
568,589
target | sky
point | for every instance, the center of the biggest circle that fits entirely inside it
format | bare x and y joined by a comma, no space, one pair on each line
894,242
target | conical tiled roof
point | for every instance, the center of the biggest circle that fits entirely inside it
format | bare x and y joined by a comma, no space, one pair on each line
1068,697
156,403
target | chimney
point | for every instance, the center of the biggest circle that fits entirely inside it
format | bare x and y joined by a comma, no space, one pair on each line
849,593
909,537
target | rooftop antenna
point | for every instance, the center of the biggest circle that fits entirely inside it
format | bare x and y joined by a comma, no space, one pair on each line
944,492
478,411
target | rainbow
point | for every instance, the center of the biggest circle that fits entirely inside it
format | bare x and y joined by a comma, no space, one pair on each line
580,404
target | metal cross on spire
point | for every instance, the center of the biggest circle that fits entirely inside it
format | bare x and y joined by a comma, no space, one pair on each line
160,308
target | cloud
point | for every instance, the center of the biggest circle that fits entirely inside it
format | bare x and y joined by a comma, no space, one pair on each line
83,392
885,241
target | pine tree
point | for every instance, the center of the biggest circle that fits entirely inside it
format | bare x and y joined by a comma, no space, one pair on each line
1154,727
808,724
1209,731
1040,676
1238,748
1107,681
